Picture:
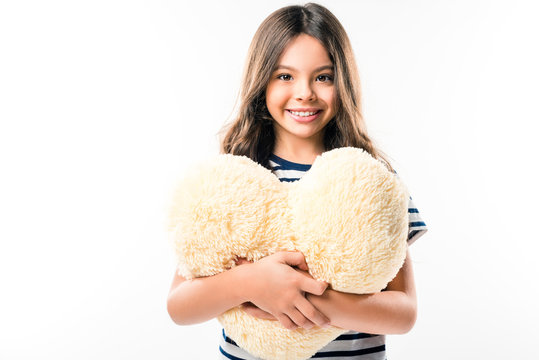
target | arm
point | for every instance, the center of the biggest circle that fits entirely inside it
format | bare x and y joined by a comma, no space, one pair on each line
271,283
201,299
388,312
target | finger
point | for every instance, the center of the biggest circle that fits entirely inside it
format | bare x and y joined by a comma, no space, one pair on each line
300,320
258,312
306,273
255,311
313,286
312,313
286,322
294,258
241,260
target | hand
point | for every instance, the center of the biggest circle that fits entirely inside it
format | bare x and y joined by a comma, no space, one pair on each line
257,312
249,307
279,290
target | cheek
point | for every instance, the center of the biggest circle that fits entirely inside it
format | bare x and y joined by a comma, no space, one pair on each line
276,97
329,96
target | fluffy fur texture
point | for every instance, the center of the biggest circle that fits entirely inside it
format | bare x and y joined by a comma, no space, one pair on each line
348,215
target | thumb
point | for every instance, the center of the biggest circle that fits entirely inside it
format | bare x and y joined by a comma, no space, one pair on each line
295,258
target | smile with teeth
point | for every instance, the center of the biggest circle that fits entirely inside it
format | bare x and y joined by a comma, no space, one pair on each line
301,113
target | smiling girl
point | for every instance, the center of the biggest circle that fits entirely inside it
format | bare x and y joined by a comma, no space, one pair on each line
300,97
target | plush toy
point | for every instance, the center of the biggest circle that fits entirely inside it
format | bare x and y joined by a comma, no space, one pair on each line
348,215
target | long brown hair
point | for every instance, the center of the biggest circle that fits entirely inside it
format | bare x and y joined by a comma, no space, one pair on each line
251,132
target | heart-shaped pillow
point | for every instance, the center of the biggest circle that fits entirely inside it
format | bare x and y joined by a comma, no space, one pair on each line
348,215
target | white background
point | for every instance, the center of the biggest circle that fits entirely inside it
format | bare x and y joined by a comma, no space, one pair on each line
103,103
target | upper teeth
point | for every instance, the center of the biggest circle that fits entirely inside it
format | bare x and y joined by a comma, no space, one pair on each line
302,113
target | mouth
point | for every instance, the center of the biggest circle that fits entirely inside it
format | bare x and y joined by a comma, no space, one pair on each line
303,116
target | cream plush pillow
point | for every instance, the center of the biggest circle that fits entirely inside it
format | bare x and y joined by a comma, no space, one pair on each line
348,215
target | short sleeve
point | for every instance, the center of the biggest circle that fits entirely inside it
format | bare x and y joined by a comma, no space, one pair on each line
416,225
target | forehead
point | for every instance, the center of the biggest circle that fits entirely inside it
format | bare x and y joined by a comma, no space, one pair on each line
304,53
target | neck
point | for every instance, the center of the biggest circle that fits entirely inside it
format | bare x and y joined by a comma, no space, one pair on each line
298,150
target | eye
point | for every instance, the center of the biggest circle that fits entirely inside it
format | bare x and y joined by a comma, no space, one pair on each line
325,77
284,75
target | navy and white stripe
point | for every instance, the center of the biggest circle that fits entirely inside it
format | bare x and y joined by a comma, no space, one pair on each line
351,345
416,225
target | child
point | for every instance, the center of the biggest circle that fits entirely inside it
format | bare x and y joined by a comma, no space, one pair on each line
300,97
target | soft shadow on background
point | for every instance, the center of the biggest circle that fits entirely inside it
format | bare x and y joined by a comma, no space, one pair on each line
104,103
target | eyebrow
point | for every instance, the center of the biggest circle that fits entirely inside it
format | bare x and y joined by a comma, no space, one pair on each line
323,67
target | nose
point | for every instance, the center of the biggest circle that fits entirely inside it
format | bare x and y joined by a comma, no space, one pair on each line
304,90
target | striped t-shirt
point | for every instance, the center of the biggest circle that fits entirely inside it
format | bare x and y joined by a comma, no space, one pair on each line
350,345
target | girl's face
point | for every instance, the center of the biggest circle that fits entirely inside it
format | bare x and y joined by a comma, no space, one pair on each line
300,95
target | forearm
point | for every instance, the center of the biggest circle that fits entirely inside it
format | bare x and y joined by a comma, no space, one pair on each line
201,299
387,312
